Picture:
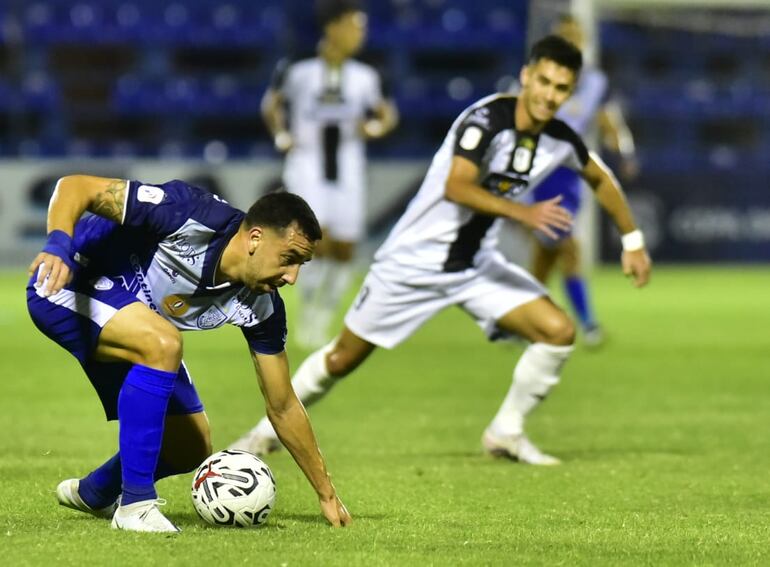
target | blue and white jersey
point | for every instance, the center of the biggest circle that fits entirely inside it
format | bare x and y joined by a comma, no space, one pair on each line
165,253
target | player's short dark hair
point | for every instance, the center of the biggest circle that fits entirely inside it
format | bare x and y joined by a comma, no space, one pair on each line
327,11
558,50
279,210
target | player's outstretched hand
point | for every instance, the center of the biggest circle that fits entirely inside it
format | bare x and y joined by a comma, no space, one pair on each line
52,272
548,216
637,265
335,512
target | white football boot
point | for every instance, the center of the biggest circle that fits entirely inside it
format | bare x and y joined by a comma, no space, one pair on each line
256,443
67,494
517,448
143,516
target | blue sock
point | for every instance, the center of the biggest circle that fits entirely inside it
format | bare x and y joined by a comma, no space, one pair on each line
142,405
577,292
102,487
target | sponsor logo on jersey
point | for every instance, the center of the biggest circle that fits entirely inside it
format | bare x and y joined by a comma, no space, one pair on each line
103,284
139,284
212,318
175,305
182,247
150,194
172,275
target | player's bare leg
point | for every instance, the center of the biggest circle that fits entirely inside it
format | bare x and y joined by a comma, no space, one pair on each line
324,286
551,333
315,377
137,335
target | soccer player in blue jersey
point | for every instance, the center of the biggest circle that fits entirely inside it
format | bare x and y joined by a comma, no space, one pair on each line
589,106
116,288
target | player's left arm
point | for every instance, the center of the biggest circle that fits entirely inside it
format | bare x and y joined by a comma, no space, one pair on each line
617,137
73,196
635,260
291,423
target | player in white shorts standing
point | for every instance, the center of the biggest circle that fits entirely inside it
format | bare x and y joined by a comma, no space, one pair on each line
321,111
443,252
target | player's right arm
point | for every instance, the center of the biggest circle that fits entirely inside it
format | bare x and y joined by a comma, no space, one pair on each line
273,108
74,195
291,423
462,188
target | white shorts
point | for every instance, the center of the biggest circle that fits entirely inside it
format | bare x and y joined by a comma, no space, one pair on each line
339,206
393,303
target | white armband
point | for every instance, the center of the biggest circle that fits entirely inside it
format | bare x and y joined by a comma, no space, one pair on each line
634,240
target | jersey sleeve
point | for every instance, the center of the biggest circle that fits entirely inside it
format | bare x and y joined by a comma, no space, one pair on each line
280,75
476,130
160,209
269,336
578,158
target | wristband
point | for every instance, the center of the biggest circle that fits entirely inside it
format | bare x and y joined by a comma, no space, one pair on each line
282,141
374,128
632,241
59,244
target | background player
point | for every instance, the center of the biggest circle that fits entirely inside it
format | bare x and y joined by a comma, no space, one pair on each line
443,251
588,106
117,288
320,111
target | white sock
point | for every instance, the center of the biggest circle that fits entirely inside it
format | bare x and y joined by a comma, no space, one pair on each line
338,282
535,374
311,382
312,278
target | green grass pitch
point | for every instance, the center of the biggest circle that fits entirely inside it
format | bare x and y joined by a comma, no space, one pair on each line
664,434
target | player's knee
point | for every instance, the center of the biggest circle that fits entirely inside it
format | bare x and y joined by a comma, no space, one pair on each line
559,330
161,347
340,363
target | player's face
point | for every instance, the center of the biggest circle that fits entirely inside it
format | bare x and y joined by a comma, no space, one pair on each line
546,85
275,257
348,32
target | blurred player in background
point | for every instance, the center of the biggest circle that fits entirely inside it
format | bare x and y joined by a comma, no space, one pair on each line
588,107
443,250
116,288
320,112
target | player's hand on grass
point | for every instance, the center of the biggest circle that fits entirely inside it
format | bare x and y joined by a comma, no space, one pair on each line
637,265
548,217
52,272
335,511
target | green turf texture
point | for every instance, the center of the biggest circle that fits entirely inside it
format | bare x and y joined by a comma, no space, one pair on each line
664,434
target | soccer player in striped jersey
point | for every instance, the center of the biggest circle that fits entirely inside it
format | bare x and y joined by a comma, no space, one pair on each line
590,105
116,288
321,111
443,250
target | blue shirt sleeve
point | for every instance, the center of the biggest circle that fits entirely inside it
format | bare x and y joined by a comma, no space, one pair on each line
269,336
162,209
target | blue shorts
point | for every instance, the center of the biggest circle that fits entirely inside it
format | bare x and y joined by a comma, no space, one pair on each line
567,183
74,318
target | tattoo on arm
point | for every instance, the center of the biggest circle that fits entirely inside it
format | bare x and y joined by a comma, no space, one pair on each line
110,202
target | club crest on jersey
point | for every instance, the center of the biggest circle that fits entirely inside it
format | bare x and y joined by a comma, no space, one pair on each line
175,305
523,155
212,318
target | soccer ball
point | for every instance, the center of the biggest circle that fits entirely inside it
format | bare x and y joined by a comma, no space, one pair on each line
233,488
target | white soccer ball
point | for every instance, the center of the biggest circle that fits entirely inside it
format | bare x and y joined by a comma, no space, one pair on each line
233,488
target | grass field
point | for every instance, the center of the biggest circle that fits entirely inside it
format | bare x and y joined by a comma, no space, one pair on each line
664,434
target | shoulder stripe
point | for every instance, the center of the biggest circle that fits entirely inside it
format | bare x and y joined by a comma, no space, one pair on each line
561,131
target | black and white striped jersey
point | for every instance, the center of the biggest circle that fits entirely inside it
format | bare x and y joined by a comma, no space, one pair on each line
437,235
325,108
